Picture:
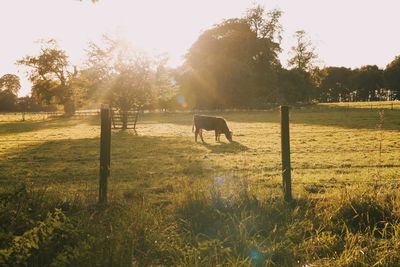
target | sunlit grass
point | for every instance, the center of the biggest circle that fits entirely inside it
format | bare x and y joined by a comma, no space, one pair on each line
27,116
323,146
211,204
365,105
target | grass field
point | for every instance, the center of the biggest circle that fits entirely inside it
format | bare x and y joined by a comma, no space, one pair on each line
364,105
193,204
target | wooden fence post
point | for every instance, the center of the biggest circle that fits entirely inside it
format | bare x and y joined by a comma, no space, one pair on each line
105,152
285,142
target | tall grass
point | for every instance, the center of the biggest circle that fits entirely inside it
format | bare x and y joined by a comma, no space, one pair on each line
219,225
174,202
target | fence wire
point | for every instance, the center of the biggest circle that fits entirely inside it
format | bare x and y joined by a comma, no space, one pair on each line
295,134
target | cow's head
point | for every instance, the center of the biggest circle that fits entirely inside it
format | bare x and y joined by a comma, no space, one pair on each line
229,136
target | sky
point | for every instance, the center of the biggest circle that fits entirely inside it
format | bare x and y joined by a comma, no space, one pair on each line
348,33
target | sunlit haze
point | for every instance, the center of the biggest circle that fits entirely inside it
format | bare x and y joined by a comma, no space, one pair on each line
345,33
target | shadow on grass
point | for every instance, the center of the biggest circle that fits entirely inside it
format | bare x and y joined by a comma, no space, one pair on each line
76,162
233,147
30,126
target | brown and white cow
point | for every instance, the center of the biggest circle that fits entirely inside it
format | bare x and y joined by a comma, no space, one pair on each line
210,123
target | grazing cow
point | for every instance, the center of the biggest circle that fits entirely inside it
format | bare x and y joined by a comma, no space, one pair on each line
209,123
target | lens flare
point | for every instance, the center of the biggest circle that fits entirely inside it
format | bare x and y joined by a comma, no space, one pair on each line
218,180
256,257
181,101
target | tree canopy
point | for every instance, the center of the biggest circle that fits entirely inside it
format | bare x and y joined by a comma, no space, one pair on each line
303,52
11,83
392,76
51,76
235,63
124,77
9,87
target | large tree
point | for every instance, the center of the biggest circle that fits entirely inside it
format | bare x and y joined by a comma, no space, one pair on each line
218,65
265,66
234,64
51,75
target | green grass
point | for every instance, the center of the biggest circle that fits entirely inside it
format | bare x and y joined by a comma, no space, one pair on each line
364,105
28,116
194,204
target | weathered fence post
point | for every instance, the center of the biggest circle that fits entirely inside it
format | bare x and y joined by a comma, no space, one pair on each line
105,152
285,142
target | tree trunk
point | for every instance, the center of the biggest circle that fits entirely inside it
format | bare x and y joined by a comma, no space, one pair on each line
69,108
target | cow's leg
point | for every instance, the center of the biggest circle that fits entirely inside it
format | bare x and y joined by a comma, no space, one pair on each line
201,135
196,133
217,135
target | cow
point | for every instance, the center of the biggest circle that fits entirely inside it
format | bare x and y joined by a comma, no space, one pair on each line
210,123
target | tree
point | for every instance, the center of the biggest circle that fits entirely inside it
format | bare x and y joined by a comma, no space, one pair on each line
131,85
165,87
268,31
11,83
392,77
303,52
235,63
336,85
123,77
265,65
218,65
9,87
295,85
8,101
51,76
368,81
28,103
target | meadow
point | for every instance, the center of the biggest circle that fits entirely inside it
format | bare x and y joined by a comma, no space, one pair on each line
177,202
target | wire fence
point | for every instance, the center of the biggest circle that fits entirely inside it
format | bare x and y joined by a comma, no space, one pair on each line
389,105
306,150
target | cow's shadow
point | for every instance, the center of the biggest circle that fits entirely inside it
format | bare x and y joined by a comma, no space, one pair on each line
220,147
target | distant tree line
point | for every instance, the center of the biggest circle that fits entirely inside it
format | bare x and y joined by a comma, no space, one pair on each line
234,64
